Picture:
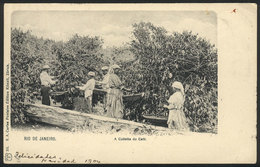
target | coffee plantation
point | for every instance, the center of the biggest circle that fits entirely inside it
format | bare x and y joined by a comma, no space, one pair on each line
149,64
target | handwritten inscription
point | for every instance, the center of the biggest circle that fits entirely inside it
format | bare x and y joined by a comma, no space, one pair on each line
48,158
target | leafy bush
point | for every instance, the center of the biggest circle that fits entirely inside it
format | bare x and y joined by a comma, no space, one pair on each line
27,56
75,59
150,63
162,58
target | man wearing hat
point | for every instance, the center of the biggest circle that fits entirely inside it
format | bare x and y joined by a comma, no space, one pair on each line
88,88
46,82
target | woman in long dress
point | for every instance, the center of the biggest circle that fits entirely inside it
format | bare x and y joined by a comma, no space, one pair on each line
114,104
176,118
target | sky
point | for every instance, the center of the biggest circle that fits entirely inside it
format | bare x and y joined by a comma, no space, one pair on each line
114,27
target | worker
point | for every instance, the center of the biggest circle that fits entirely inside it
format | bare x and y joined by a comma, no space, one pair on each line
46,82
104,84
88,88
105,80
115,94
176,117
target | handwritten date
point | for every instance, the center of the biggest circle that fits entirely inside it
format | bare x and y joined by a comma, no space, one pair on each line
51,158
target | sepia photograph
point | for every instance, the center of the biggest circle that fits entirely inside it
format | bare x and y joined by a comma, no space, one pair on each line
123,75
153,68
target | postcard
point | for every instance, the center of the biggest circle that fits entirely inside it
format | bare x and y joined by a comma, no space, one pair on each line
130,83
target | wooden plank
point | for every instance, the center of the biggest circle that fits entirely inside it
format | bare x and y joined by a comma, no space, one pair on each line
133,97
99,92
58,93
155,118
103,92
126,98
69,119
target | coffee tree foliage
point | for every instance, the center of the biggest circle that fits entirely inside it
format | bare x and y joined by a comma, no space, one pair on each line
117,55
69,61
28,53
75,59
162,58
150,63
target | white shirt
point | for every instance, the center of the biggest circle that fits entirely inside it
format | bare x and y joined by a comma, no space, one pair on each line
89,87
46,79
105,81
177,100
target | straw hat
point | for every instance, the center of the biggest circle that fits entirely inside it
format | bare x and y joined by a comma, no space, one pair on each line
115,66
105,68
179,86
45,67
91,73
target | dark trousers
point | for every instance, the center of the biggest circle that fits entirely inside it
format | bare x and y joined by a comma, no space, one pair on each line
45,92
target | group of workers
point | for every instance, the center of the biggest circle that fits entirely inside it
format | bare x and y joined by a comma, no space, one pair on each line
111,83
113,100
